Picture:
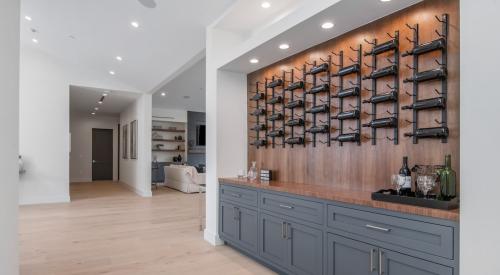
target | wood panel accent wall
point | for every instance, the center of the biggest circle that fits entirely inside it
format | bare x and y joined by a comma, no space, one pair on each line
369,167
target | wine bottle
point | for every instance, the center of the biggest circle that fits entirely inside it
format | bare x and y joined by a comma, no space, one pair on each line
258,112
319,88
439,73
295,85
295,122
276,133
275,100
274,117
259,142
390,96
348,70
353,114
318,129
352,137
276,83
387,122
259,127
257,96
354,91
437,44
384,47
434,132
389,70
405,178
448,180
294,104
323,108
431,103
319,69
294,140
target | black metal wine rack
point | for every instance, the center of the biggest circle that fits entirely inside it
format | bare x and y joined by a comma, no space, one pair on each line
260,126
324,88
276,114
296,102
392,96
439,74
353,91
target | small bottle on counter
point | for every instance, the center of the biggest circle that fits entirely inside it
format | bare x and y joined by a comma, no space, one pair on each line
252,172
405,178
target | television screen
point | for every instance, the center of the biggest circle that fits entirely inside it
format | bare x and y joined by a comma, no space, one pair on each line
200,135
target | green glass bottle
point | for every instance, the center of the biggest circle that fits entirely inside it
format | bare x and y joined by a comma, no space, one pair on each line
448,180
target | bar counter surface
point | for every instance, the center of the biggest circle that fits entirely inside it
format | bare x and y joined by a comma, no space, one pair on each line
343,195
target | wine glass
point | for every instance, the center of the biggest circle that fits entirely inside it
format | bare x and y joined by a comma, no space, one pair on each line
396,182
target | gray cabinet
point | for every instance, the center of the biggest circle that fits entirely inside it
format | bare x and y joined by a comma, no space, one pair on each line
346,256
394,263
239,224
273,245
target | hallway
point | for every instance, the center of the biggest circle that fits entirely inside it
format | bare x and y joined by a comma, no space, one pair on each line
107,229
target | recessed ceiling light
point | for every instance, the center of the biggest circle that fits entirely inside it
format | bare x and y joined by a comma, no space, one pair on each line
254,61
99,102
112,72
134,24
163,94
327,25
96,108
35,40
265,5
385,0
119,58
105,94
28,18
284,46
93,113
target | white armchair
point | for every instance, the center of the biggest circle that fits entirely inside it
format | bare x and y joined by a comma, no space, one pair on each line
183,178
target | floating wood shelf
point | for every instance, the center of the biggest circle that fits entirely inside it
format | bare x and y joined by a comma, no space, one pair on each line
168,140
169,130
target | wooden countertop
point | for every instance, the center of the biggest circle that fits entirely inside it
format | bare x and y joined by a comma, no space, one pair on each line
343,195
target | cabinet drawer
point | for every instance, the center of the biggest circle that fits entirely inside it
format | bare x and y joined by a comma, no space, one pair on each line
415,235
238,195
297,208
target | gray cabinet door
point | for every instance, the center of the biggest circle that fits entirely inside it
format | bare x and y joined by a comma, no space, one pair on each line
248,228
394,263
273,245
229,225
305,249
349,257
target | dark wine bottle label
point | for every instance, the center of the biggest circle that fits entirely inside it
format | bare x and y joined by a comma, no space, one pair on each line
437,44
275,100
277,116
319,69
294,104
439,73
318,129
388,122
348,70
319,88
295,85
386,71
384,47
294,140
318,109
352,137
390,96
431,103
275,83
295,122
276,133
354,91
353,114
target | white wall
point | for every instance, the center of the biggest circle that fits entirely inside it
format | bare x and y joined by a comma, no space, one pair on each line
136,173
44,122
9,112
479,135
168,114
81,125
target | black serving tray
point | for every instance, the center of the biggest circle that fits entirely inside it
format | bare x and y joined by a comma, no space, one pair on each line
390,195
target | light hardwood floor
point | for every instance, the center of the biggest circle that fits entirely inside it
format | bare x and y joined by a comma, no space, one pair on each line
107,229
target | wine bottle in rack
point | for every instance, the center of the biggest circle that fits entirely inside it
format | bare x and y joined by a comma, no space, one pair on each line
319,88
439,73
295,140
295,85
387,122
294,104
318,129
384,47
276,133
434,132
386,71
275,83
437,44
323,108
319,69
404,178
390,96
259,127
351,137
352,114
275,100
274,117
354,91
257,96
259,142
295,122
348,70
431,103
259,112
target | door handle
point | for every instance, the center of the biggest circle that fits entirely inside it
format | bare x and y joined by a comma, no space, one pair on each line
283,230
380,270
286,206
288,229
372,253
377,228
236,195
235,213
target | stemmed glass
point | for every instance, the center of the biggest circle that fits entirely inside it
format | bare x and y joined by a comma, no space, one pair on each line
396,182
426,183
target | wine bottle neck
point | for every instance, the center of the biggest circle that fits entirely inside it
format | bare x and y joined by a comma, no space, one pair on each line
447,161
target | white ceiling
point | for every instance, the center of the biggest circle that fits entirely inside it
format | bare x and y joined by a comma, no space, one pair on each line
84,99
168,37
189,83
346,15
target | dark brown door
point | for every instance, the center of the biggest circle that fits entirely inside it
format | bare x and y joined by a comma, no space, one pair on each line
102,154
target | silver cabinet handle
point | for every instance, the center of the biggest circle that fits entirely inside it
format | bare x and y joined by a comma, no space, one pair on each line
286,206
380,270
283,230
289,231
377,228
236,195
372,252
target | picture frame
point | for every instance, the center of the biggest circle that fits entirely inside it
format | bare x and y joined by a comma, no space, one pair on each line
125,141
133,139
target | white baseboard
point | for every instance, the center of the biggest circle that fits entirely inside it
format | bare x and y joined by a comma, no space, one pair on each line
212,238
139,192
44,200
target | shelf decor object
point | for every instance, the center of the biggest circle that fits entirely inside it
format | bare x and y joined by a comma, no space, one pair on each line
260,126
344,93
391,46
320,85
438,74
295,102
390,195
